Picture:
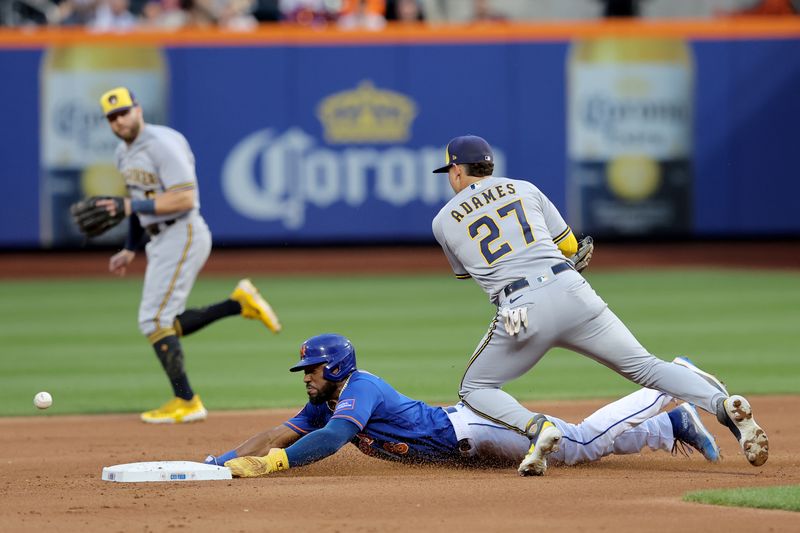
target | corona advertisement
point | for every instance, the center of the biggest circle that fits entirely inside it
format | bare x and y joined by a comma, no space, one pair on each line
361,165
77,145
327,142
630,137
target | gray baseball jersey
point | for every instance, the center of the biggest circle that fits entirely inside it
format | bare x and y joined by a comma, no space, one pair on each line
504,234
498,230
160,160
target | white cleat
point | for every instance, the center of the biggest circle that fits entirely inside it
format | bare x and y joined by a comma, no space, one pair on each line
545,441
752,438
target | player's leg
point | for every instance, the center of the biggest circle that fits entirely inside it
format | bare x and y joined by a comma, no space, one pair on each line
245,300
607,340
626,426
595,436
175,257
192,320
500,358
487,443
671,432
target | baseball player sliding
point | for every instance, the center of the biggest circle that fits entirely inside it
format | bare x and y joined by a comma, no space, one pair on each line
350,405
164,205
509,237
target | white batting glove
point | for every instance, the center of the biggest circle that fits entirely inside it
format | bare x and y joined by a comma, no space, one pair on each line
514,319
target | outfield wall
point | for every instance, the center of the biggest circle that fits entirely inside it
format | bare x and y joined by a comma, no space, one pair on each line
632,128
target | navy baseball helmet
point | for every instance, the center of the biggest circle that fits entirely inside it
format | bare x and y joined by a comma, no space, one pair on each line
335,351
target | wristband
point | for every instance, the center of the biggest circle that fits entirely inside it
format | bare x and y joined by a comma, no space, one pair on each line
220,461
145,207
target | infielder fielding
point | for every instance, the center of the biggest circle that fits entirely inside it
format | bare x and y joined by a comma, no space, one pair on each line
164,204
509,237
350,405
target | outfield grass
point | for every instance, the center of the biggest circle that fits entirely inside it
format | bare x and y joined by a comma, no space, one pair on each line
786,498
79,340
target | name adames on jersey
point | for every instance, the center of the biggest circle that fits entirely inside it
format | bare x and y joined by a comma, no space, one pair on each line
481,199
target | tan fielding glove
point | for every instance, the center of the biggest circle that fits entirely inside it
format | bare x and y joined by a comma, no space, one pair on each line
274,461
584,254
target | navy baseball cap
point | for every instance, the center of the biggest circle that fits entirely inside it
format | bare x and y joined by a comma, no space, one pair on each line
465,150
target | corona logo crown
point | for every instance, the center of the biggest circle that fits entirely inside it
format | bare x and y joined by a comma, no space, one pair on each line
367,115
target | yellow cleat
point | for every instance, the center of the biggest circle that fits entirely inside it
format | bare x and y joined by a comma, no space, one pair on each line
177,411
255,306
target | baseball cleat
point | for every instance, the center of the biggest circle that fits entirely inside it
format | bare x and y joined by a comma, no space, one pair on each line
255,306
688,429
544,442
712,379
751,437
177,411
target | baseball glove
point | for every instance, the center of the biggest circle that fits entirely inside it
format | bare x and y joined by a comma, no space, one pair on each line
584,254
93,219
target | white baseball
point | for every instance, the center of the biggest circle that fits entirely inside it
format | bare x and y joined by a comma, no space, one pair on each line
43,400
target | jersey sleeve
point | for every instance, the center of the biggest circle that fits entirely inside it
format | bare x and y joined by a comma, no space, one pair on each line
310,418
175,164
556,224
455,264
357,402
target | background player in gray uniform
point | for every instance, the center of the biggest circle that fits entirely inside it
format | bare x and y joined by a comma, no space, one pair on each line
509,237
351,405
158,168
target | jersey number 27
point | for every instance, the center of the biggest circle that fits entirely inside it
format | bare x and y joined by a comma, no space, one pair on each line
486,243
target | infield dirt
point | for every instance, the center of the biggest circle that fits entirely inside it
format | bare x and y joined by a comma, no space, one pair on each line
52,467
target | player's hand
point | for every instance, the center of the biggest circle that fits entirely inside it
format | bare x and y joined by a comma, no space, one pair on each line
112,205
584,254
118,264
514,319
250,466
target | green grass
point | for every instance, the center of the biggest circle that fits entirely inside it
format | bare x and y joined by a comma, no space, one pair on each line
785,498
79,339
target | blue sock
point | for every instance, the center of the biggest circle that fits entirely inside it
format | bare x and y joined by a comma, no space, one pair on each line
676,418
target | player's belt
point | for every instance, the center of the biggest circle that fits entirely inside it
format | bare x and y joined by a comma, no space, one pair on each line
514,286
155,229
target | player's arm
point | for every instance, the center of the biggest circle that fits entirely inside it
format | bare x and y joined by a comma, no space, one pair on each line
567,243
133,241
259,444
173,201
556,225
349,417
321,443
118,264
277,437
310,448
578,253
455,263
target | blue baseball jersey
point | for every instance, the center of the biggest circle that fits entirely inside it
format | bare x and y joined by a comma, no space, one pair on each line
391,425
